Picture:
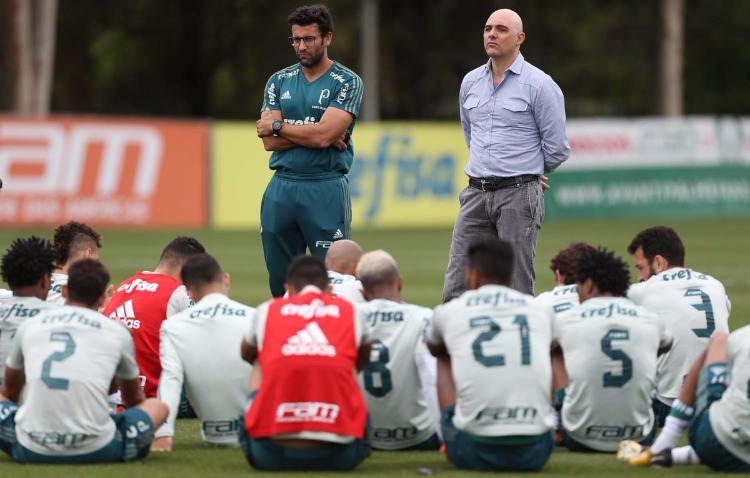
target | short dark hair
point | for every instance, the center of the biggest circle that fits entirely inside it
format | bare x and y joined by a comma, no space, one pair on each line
493,259
200,270
567,259
27,260
309,14
87,281
660,241
73,237
609,273
179,250
307,270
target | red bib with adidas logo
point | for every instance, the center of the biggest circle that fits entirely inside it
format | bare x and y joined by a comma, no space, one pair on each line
308,354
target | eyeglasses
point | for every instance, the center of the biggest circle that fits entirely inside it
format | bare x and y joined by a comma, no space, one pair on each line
295,41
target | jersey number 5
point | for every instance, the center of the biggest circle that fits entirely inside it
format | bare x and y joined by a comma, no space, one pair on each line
610,379
70,347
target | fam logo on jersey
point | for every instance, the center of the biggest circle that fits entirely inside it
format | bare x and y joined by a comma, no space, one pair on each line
138,284
307,412
309,341
126,315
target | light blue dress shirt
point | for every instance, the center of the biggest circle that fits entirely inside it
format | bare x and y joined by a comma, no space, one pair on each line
516,128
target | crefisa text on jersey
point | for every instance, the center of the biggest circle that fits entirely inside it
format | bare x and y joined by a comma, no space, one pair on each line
380,316
72,317
19,310
217,309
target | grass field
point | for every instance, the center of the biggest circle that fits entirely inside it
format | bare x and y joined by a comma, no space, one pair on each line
716,246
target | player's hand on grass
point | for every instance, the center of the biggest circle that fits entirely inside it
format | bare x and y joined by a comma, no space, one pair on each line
162,444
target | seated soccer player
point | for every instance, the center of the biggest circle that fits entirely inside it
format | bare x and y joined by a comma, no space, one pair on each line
393,382
714,405
199,350
26,267
341,262
147,299
308,413
691,304
610,346
73,241
63,361
494,376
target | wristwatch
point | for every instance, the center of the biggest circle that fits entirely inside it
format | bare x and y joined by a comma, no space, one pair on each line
276,127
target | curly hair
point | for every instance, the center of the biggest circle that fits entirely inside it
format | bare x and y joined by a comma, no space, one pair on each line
660,241
567,259
72,238
26,261
310,14
609,273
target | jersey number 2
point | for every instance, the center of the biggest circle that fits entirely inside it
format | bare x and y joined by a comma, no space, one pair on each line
70,347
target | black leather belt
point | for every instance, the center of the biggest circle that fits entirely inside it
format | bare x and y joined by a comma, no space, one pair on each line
493,184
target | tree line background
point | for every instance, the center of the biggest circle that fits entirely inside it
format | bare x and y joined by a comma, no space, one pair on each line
211,58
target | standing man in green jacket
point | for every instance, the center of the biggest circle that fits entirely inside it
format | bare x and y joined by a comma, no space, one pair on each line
308,115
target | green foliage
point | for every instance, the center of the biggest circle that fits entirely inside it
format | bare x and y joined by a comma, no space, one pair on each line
203,58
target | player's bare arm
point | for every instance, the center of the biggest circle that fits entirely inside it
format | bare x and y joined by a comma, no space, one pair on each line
13,384
330,131
437,350
132,393
271,142
363,357
248,351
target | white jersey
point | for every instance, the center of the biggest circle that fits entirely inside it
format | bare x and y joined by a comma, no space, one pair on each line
57,280
692,305
391,382
730,415
610,347
13,313
559,299
499,344
70,356
199,348
346,286
5,294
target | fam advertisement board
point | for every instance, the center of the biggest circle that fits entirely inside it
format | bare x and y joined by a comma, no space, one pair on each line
410,174
103,171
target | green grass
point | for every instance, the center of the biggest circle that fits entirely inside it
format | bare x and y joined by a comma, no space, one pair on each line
719,247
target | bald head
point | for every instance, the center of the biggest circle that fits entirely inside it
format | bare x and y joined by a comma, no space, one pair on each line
508,18
503,36
342,256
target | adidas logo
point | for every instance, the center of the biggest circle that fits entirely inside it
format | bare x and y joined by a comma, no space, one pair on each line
338,234
126,314
309,341
286,95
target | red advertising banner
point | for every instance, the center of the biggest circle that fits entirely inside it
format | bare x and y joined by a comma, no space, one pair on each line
118,172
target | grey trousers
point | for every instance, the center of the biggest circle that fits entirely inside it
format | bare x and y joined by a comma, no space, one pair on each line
513,214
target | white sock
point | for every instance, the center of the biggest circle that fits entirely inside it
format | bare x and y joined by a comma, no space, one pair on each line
673,428
685,455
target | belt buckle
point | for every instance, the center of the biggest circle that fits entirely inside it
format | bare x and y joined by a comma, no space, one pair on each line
482,181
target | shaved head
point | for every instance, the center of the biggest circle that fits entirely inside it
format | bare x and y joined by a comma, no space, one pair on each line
343,256
507,17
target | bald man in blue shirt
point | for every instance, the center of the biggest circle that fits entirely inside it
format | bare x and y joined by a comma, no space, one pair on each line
513,119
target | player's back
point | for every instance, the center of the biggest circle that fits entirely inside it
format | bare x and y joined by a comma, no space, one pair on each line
390,383
142,303
346,286
70,356
559,299
610,347
205,340
693,306
499,344
57,281
13,313
730,415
